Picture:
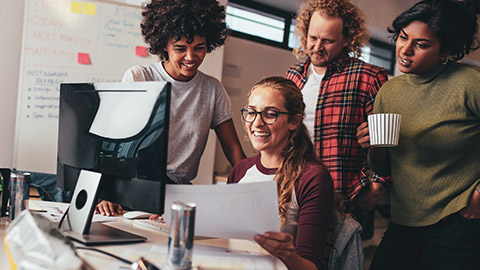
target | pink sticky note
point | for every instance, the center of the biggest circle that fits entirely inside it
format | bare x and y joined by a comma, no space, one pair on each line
141,51
83,58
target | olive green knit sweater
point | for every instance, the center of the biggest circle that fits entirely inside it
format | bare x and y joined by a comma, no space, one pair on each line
436,165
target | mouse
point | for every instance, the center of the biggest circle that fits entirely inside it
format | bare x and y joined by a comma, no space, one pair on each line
136,215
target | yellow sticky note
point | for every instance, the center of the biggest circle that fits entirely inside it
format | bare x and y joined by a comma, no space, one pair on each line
89,9
76,7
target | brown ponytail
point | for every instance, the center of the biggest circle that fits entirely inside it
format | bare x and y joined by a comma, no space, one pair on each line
299,148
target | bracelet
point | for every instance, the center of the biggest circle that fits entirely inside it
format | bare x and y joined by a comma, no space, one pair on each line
375,178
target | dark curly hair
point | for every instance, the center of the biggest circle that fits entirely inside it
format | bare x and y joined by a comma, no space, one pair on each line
166,19
354,27
454,22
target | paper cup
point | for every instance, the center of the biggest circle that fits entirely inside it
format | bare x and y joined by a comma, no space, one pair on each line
384,129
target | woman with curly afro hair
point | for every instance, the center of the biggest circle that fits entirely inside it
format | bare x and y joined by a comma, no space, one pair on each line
182,32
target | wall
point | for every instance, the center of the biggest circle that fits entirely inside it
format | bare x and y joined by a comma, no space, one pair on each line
246,62
11,21
380,14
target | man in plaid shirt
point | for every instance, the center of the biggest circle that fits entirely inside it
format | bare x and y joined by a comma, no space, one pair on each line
339,91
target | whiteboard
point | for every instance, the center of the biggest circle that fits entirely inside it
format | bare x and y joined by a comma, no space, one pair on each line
62,43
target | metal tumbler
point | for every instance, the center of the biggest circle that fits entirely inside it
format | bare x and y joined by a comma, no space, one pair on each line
19,193
180,241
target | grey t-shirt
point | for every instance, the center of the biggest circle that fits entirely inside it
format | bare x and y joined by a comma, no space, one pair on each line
196,107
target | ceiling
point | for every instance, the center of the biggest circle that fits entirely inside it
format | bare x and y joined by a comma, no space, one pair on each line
293,5
286,5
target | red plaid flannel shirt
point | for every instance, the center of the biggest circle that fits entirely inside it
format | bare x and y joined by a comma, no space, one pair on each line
345,99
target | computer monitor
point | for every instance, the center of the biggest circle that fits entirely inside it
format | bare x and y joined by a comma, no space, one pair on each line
119,130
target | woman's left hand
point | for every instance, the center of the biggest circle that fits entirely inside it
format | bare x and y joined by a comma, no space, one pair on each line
276,243
472,210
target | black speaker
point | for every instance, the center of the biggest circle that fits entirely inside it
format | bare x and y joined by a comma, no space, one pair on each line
5,190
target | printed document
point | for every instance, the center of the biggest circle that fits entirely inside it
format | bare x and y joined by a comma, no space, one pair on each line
229,211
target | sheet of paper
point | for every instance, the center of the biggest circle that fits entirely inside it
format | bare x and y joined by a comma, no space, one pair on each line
34,207
229,211
83,58
90,9
76,7
53,207
209,257
125,110
52,210
141,51
205,258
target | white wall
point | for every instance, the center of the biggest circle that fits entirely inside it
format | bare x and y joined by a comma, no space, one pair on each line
246,62
206,167
11,23
380,14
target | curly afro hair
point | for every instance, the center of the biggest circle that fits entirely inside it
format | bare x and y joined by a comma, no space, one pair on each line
166,19
354,27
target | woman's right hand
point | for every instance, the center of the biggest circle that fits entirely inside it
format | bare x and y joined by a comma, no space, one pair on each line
363,136
472,210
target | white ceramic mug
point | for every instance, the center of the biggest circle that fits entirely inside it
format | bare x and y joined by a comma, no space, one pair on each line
384,129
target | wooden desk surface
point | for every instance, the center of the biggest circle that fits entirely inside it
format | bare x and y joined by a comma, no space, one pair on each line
155,238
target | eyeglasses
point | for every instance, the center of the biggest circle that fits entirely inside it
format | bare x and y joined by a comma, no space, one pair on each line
268,116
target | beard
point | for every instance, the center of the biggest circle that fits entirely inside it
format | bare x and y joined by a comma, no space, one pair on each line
318,59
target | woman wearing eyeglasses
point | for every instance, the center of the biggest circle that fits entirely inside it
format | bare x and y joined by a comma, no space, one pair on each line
273,121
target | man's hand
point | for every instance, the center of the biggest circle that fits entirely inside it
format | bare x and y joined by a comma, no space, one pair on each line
107,208
363,135
472,210
368,199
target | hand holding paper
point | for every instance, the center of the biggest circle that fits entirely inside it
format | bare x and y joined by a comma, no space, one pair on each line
229,211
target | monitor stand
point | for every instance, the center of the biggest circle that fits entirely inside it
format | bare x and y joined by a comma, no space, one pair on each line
80,214
101,234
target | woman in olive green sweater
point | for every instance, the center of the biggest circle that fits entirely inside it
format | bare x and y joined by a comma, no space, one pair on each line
435,169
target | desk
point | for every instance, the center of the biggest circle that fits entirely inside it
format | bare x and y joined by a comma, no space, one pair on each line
157,239
4,263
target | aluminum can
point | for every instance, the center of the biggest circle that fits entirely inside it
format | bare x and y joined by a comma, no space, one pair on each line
19,193
180,240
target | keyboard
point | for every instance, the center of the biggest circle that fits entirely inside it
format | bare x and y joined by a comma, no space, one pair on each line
155,224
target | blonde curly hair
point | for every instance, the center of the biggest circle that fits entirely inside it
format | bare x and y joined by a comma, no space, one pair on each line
354,28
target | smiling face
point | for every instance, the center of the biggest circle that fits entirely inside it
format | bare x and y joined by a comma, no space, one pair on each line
269,139
417,49
325,41
185,58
